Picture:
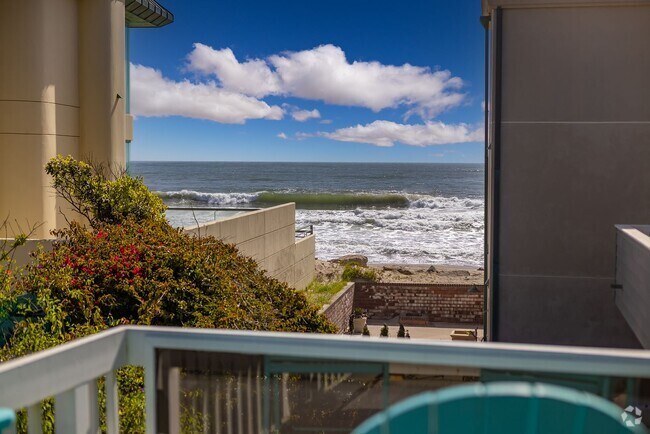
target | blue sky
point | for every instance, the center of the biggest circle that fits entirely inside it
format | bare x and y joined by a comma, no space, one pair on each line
310,81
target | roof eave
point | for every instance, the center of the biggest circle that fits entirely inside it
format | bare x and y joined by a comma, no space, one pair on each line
147,13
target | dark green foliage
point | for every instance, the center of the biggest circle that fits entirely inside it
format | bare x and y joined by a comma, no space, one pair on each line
366,331
401,333
150,273
384,331
354,272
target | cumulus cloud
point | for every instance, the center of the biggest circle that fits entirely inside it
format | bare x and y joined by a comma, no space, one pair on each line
304,115
154,95
324,73
252,77
386,134
282,136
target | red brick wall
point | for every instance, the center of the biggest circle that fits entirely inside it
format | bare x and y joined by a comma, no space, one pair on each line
340,308
420,303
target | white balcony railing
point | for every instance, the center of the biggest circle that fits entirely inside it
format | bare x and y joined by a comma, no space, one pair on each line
69,372
633,278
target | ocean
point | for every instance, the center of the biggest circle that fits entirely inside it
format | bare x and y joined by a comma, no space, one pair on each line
390,212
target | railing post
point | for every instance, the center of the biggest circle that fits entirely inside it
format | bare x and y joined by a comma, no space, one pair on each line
173,401
34,419
76,411
150,390
112,411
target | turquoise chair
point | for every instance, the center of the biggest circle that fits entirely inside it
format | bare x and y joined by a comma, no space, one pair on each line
502,408
7,420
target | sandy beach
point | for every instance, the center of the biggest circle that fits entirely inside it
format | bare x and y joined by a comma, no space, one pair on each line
329,271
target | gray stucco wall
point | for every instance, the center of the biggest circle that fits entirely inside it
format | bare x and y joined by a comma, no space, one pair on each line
575,161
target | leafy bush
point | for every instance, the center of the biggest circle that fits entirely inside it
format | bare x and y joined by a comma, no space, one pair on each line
150,273
131,267
103,197
384,331
401,333
366,331
319,293
354,272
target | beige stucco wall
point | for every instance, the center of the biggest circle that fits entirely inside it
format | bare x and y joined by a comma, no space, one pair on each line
268,236
21,256
62,69
575,161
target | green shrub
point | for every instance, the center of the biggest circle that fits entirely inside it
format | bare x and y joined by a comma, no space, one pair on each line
401,333
354,272
150,273
103,197
366,331
384,331
131,267
320,294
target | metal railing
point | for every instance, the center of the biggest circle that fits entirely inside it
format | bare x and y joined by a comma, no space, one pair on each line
304,231
69,372
207,208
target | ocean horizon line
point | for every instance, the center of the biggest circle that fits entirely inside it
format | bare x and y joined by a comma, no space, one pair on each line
310,162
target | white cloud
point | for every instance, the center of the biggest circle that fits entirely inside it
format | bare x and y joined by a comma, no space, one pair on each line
386,134
154,95
324,73
303,115
252,77
282,136
326,121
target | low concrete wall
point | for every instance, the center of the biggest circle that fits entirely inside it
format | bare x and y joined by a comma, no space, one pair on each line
421,304
21,254
268,236
633,279
340,308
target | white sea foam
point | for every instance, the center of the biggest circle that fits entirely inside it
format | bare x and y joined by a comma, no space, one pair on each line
223,199
431,229
408,236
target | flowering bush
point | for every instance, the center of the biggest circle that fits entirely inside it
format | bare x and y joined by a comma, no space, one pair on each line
131,267
150,273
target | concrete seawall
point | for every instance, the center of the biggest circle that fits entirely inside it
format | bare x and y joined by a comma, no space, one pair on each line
268,236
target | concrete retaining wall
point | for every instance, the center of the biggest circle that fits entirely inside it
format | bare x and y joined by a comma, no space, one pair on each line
269,237
21,254
340,308
421,304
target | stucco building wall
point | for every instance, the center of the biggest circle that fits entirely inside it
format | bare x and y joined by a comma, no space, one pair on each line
62,91
569,159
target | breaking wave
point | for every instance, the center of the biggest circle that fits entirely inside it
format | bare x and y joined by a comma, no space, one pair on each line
324,200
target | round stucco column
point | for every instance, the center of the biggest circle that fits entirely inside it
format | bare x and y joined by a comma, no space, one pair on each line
39,106
102,81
